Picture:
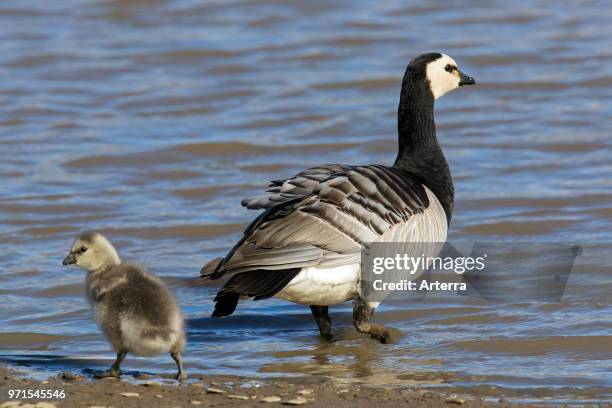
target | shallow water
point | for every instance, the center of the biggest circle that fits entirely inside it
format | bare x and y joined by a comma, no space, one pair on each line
150,120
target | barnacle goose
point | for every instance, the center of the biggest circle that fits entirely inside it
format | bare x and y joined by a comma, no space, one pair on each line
305,246
134,309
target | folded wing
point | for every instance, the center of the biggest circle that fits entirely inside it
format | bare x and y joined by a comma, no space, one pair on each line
323,216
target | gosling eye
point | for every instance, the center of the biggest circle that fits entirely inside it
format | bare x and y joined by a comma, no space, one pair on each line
449,68
82,250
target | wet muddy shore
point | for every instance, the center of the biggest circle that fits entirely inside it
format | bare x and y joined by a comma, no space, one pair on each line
229,391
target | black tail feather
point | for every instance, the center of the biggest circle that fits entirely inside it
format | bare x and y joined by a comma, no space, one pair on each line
260,284
226,304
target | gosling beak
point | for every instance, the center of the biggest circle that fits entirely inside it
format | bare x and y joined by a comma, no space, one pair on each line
465,79
69,260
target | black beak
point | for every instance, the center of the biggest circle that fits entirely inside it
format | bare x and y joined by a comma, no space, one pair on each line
69,260
465,79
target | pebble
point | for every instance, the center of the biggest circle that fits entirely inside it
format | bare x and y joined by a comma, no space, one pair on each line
296,401
271,398
130,394
150,384
455,400
11,404
214,391
240,397
158,396
196,402
45,405
305,392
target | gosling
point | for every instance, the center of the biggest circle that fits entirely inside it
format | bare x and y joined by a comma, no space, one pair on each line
134,309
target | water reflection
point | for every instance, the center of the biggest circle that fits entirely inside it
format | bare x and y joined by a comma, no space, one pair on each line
150,120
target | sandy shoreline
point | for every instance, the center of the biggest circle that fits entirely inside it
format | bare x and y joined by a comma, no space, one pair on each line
222,391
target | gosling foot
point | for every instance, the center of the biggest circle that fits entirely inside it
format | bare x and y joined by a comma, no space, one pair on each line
181,376
114,371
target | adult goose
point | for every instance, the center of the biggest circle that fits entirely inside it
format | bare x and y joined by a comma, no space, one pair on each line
305,246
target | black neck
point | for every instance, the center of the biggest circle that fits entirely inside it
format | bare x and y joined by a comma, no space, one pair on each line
419,154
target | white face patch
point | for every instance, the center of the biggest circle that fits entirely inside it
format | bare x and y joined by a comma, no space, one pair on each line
440,80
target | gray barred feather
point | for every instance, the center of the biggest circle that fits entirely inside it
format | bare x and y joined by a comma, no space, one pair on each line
324,215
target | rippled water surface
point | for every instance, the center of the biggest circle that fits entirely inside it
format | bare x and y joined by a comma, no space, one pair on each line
149,120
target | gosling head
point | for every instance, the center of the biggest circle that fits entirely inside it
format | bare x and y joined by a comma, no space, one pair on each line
92,251
438,72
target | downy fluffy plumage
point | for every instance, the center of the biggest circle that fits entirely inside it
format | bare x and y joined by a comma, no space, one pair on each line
134,309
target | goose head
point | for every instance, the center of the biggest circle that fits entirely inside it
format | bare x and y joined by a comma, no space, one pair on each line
92,251
438,72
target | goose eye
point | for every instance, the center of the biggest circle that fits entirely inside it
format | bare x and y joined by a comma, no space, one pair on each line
82,249
448,68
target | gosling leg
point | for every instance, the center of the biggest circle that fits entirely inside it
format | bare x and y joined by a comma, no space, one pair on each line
115,370
176,356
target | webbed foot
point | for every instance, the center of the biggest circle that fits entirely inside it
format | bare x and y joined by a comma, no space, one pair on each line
362,313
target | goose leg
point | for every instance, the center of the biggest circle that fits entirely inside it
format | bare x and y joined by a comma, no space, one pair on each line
180,375
321,316
115,370
362,313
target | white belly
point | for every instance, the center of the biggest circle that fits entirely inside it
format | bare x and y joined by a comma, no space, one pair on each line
330,286
136,343
323,287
